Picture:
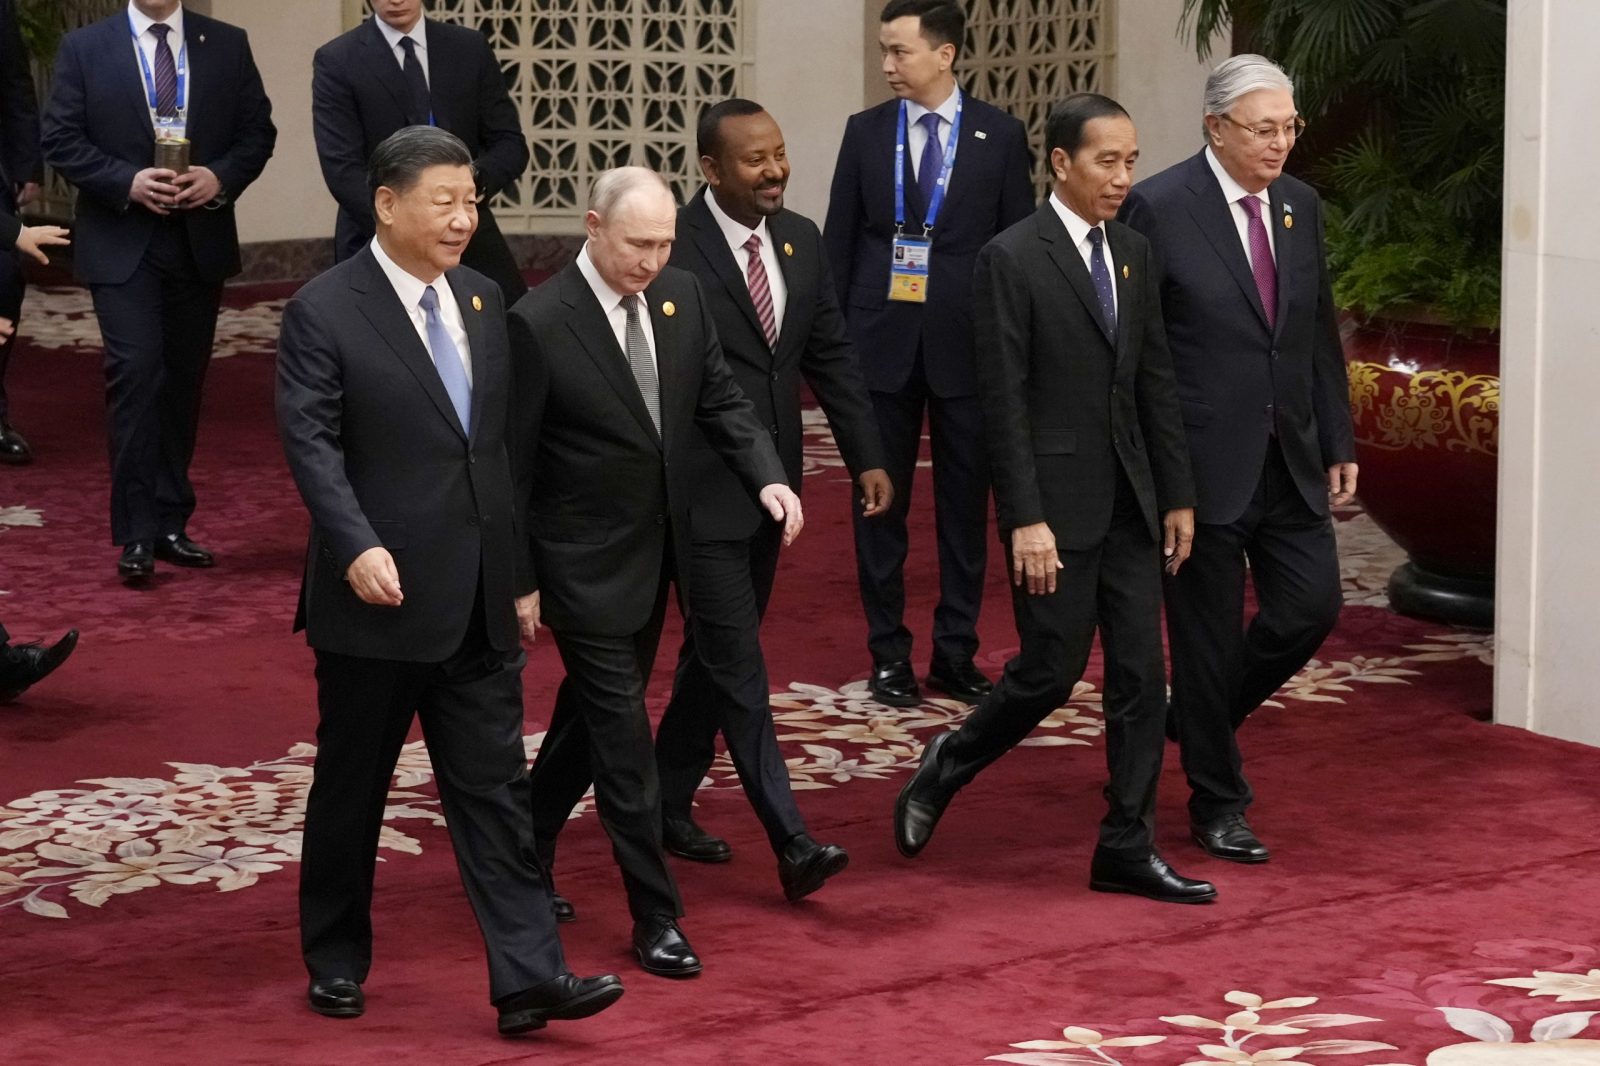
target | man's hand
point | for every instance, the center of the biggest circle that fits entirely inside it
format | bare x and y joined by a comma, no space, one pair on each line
32,240
1034,559
197,187
27,193
528,616
373,577
1342,483
6,326
784,506
153,189
877,492
1177,537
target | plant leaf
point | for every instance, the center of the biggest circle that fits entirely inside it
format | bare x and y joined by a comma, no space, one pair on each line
1478,1024
1345,1047
43,907
1326,1021
1561,1026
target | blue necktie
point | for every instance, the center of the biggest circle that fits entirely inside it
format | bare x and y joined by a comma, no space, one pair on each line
447,360
1102,279
932,160
166,73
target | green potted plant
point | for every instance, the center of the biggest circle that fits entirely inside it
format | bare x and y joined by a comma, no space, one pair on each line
1406,105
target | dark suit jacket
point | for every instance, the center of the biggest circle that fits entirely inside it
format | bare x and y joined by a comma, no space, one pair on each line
381,459
359,98
599,487
20,161
991,187
97,134
1063,406
812,344
1237,377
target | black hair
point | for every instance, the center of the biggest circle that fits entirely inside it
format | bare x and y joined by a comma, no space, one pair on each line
1064,128
943,21
399,161
708,132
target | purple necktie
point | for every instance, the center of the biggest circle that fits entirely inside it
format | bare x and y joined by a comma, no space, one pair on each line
166,73
932,159
761,291
1261,264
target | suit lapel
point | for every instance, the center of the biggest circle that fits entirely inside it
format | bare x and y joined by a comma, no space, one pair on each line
472,320
381,59
589,325
1214,215
793,270
1122,278
670,355
1282,240
382,308
962,177
205,80
119,45
711,244
1067,260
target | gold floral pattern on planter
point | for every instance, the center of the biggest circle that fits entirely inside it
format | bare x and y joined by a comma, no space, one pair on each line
1448,408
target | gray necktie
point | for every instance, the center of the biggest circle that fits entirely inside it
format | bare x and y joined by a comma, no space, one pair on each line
644,368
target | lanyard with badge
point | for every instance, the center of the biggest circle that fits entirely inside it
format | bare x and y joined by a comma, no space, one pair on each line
908,267
167,127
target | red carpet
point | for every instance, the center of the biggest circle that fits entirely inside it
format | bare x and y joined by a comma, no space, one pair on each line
1430,900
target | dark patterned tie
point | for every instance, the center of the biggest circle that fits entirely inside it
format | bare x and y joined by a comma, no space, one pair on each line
417,84
1102,279
932,159
1261,263
644,368
166,73
761,291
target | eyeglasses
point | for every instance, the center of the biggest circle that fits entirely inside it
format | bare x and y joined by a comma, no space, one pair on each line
1268,133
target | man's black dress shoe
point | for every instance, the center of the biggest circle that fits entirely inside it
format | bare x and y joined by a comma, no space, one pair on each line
559,999
921,802
894,684
959,679
180,550
683,838
1149,876
13,448
1171,721
336,997
805,865
25,665
1229,837
563,908
138,560
663,949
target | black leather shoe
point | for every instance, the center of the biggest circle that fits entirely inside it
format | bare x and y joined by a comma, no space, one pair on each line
921,802
1229,837
805,865
683,838
1149,876
178,549
24,665
960,680
894,684
13,448
336,997
663,949
559,999
1171,721
138,560
563,908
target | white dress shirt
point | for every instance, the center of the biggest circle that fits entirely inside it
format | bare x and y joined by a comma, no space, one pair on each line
736,234
409,288
144,43
917,137
1233,192
611,303
1078,229
394,37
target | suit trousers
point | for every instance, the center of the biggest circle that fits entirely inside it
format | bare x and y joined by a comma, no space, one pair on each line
158,327
960,514
1117,587
471,711
12,285
1221,670
600,732
721,683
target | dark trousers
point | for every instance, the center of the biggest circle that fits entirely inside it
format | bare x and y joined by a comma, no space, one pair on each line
960,514
12,284
158,327
600,732
471,711
721,683
1117,587
1221,670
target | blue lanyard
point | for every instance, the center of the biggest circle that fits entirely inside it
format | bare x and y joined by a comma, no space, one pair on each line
149,78
900,148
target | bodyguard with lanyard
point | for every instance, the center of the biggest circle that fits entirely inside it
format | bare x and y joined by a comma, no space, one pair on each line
922,183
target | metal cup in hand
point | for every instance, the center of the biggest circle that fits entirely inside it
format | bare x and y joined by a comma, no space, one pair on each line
172,153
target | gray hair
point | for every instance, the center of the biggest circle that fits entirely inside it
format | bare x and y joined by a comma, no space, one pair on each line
1238,77
399,161
612,186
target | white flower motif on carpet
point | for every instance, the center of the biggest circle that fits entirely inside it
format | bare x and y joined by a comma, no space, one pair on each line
20,515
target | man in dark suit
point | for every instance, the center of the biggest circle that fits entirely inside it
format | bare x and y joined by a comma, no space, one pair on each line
393,381
154,245
617,366
1092,488
765,276
1255,344
21,170
400,69
919,355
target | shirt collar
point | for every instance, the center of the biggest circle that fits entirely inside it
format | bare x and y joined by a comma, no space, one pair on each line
736,233
407,286
393,36
142,22
1077,226
946,110
610,299
1232,191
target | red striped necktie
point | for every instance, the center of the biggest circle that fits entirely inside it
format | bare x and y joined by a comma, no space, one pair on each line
760,290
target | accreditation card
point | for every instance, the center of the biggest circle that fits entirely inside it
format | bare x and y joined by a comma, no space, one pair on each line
908,270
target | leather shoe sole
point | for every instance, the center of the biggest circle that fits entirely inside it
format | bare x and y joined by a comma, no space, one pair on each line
696,845
812,874
336,998
189,555
926,771
1248,855
684,970
1099,885
586,1004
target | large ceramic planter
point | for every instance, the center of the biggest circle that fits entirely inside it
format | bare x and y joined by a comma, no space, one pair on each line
1426,403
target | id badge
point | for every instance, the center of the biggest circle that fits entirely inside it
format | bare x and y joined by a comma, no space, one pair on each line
171,127
908,270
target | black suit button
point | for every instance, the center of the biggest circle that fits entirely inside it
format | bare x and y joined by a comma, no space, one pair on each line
1274,353
1269,408
774,375
472,520
661,519
774,429
471,459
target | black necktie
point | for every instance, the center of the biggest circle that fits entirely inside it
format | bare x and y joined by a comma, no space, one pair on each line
417,83
166,73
